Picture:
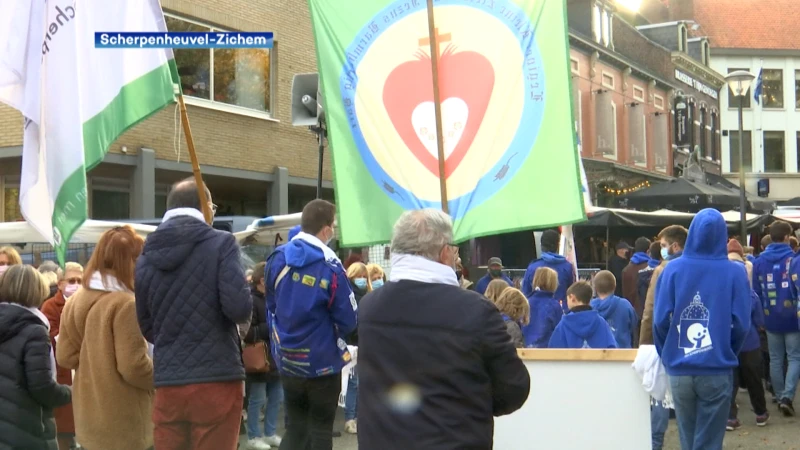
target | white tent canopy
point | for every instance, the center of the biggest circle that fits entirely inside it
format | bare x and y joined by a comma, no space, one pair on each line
88,233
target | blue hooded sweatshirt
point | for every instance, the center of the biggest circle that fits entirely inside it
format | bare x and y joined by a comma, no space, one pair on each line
564,269
620,316
702,304
773,282
483,283
582,329
639,258
546,313
311,310
751,258
293,232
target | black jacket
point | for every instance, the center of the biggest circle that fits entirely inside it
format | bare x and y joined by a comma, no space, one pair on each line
352,338
451,348
190,294
28,392
259,331
616,265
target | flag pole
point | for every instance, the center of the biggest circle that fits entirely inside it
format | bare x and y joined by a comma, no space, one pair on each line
433,38
198,177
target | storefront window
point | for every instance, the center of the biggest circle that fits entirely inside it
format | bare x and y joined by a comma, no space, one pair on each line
110,205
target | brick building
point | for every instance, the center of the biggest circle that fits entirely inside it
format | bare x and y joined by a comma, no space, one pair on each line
254,161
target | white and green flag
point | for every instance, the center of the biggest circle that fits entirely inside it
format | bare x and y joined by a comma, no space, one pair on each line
76,99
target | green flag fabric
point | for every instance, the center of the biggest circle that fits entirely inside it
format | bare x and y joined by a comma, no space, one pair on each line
505,89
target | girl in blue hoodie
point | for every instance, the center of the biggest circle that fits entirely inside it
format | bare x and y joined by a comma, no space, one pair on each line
617,311
545,311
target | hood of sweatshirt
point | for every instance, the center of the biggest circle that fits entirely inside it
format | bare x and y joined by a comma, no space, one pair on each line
583,324
639,258
708,236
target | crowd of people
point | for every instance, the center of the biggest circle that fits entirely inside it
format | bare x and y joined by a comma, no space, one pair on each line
168,343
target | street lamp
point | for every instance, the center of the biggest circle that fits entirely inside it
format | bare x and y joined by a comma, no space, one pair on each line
739,82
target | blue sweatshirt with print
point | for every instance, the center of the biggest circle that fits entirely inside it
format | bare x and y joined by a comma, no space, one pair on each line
546,313
702,303
310,311
564,269
582,328
773,281
620,316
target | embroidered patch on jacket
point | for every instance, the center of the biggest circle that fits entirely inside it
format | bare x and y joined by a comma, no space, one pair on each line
308,280
296,277
323,283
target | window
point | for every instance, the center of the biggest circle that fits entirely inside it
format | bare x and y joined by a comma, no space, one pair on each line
110,205
237,77
704,150
774,151
12,211
683,39
597,24
638,93
658,101
614,128
608,80
733,139
160,205
573,64
772,88
713,137
733,101
797,89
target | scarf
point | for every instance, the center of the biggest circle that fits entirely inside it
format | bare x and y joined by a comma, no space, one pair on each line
178,212
417,268
330,256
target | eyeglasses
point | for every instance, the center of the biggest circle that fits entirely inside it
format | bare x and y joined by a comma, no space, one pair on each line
74,280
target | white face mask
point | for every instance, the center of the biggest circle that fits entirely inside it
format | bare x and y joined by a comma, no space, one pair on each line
70,289
3,269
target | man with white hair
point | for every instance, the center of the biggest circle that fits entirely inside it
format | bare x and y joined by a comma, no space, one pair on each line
435,361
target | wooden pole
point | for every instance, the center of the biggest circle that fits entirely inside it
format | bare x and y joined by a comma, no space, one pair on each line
433,37
198,177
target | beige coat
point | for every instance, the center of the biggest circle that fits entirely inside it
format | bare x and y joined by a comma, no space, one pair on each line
113,386
646,332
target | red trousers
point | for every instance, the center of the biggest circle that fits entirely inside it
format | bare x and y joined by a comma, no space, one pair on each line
198,416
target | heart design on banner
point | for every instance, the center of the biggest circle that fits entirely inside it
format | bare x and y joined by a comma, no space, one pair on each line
466,82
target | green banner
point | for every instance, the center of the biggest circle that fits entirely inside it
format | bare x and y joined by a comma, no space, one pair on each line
504,79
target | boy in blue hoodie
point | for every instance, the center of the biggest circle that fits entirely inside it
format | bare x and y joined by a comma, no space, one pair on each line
701,317
617,311
774,280
311,308
550,258
582,327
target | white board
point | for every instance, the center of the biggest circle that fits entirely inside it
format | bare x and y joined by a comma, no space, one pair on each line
597,405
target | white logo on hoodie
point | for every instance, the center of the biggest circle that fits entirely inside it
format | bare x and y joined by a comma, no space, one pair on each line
693,332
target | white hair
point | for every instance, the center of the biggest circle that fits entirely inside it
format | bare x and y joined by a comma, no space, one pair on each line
422,232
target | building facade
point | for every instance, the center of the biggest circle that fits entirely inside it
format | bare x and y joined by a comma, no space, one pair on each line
253,160
771,122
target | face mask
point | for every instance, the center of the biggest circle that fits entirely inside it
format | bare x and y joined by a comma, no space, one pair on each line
328,241
3,269
665,253
377,283
70,289
495,273
360,283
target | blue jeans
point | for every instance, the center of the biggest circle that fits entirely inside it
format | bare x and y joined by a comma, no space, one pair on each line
659,421
270,393
351,400
702,404
784,345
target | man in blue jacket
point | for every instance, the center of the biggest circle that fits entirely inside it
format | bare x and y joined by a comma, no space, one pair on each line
311,309
701,319
494,272
191,293
550,258
774,278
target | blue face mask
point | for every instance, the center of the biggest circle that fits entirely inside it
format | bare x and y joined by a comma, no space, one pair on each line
665,253
377,283
360,283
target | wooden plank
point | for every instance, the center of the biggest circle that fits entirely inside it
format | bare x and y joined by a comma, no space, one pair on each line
555,354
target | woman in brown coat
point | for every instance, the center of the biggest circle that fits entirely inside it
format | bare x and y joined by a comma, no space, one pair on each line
100,339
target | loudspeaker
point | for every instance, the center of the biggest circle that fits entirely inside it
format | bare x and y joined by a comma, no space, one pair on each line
306,100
